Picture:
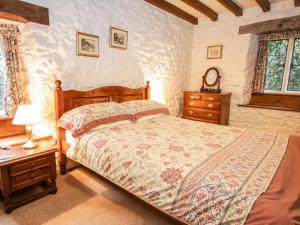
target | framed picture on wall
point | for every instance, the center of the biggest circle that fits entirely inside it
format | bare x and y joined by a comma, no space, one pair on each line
214,52
87,45
118,38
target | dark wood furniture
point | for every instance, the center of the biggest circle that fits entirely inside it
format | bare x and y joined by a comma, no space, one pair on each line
26,175
207,107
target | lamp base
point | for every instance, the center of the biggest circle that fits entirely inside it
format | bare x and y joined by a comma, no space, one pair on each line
30,145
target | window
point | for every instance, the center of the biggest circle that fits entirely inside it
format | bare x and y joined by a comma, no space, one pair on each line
283,66
2,78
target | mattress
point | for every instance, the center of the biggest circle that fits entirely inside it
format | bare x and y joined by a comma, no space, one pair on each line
199,173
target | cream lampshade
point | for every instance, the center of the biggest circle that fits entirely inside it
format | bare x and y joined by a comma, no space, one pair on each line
27,115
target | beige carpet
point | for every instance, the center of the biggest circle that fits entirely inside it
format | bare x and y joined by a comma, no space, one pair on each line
83,198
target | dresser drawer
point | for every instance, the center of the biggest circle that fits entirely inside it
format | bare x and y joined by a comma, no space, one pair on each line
202,104
192,96
26,166
211,97
30,178
206,114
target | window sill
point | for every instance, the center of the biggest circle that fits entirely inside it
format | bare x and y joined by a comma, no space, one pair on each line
275,101
3,118
8,129
271,107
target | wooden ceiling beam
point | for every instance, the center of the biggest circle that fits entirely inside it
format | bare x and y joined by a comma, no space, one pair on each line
170,8
23,12
232,6
265,5
277,25
297,3
202,8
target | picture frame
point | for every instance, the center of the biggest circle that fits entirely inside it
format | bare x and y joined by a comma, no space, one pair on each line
118,38
87,44
214,52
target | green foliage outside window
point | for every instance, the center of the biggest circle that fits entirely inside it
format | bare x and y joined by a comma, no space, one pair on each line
277,52
294,79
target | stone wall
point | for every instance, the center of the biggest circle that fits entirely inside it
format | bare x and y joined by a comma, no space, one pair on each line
159,50
237,65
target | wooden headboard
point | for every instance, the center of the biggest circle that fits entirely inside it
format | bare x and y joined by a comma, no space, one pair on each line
67,100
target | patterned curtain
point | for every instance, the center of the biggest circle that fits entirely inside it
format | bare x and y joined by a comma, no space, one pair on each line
262,56
13,93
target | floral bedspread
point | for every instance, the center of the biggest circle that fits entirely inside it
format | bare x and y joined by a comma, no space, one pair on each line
198,172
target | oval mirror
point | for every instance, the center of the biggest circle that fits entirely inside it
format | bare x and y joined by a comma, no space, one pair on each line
211,77
211,81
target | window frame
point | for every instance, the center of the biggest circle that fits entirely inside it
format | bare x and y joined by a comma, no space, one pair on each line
287,70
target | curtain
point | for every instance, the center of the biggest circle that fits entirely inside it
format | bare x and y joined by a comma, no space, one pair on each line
262,56
13,93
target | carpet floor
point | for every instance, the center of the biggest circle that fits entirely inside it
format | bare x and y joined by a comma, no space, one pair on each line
83,198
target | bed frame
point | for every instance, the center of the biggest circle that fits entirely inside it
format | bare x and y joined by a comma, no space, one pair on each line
67,100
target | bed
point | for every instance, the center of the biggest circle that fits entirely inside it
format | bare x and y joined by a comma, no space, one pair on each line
193,172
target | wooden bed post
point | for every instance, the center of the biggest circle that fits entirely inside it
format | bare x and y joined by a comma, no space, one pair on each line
148,90
59,110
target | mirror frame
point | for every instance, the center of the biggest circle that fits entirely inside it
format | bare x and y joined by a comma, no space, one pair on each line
214,84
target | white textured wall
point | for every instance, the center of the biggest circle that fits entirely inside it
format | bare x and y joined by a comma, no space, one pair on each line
237,65
159,50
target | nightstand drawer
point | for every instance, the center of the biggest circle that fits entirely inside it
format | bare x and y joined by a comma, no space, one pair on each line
202,104
29,165
30,178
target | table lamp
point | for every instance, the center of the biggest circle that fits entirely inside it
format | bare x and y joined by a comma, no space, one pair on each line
27,115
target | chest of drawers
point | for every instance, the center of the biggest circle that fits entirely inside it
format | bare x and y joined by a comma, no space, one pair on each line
207,107
26,175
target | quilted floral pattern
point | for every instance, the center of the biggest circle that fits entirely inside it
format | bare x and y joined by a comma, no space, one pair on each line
141,108
84,118
200,173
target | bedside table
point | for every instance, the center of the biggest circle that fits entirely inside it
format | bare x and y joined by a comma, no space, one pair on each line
26,175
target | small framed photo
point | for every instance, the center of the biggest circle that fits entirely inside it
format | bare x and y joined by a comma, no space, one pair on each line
87,45
118,38
214,52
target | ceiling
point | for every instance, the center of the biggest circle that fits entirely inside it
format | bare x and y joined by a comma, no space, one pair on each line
216,6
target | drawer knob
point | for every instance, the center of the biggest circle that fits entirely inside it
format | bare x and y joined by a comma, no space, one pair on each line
192,103
210,114
211,98
191,112
210,105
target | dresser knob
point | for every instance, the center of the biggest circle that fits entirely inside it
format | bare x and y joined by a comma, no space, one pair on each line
210,114
210,105
191,112
211,98
192,103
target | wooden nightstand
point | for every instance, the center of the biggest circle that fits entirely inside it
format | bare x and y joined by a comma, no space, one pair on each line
26,175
